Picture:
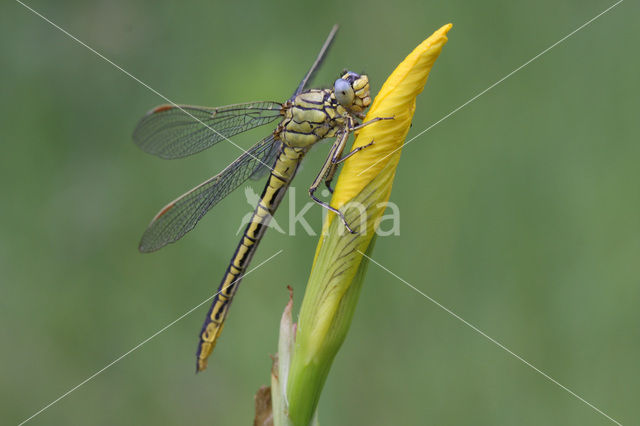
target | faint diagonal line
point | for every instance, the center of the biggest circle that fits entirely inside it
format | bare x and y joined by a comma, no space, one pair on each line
140,344
494,84
141,82
494,341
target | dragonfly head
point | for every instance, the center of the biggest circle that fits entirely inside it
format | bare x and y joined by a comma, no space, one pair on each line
352,91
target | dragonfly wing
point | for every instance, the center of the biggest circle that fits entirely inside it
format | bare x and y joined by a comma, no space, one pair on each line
181,215
268,163
170,131
323,53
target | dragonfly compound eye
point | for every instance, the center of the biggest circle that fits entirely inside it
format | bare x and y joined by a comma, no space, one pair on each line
344,92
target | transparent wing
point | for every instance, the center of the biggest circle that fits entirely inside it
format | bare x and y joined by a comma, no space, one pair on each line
268,163
321,55
181,215
178,131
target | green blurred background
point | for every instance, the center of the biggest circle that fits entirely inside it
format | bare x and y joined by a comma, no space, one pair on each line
519,213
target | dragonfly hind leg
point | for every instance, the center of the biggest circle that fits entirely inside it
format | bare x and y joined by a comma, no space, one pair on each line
332,209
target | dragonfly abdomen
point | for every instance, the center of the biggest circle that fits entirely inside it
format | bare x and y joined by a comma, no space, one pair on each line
283,172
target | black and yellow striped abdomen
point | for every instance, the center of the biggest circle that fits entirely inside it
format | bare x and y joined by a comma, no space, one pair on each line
283,172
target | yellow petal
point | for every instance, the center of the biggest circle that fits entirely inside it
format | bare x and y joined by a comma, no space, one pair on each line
397,99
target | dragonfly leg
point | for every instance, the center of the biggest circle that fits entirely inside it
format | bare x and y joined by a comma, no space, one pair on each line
330,166
335,160
360,148
328,170
366,123
329,179
336,211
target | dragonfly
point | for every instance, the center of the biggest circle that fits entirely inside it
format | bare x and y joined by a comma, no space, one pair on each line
308,116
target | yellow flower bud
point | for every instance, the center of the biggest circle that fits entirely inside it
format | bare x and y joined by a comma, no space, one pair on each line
338,269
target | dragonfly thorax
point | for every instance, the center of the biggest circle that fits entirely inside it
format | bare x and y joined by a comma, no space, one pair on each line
317,114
